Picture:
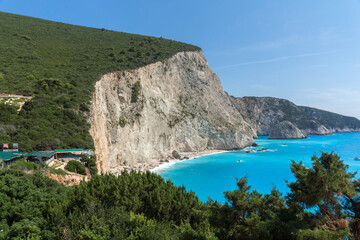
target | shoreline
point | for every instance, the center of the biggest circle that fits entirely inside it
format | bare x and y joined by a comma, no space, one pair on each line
160,165
186,156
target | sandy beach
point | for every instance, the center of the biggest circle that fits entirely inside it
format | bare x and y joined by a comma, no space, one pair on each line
163,164
185,156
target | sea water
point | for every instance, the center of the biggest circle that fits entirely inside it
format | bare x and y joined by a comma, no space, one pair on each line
211,175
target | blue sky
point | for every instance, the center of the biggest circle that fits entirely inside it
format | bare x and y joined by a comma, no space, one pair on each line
305,51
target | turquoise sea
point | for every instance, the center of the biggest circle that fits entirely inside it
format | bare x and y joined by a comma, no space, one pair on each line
211,175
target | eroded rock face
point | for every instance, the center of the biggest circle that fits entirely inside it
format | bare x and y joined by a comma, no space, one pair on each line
334,122
285,130
264,113
143,115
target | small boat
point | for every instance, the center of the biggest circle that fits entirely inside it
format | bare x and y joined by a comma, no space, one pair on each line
357,158
283,145
239,161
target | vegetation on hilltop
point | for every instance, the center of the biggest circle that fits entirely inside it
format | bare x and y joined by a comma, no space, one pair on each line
333,121
267,112
145,206
59,64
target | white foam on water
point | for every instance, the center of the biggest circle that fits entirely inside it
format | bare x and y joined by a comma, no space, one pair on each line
163,166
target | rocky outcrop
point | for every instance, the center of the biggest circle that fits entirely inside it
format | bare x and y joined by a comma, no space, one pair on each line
285,130
263,113
143,115
332,121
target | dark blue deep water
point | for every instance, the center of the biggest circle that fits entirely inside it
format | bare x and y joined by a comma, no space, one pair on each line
211,175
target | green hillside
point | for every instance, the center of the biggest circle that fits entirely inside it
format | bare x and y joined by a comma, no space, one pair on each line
58,64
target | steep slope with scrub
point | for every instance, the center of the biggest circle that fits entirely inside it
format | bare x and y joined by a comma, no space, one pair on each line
58,64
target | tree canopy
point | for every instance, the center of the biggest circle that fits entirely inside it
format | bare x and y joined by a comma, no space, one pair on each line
323,204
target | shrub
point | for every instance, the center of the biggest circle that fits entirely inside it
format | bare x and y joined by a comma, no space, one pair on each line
135,92
122,122
30,77
46,83
76,167
24,165
7,113
91,161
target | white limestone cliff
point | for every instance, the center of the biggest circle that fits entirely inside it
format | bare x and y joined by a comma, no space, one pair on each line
181,106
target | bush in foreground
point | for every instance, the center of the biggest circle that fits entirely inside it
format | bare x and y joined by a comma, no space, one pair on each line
76,167
145,206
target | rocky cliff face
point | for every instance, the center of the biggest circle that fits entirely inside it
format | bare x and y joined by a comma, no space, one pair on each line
266,114
285,130
143,115
334,122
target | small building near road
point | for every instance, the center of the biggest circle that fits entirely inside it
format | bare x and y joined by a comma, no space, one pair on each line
40,156
72,153
9,157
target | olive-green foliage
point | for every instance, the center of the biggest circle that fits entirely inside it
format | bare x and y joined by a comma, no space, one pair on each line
24,165
52,84
42,125
352,205
99,221
329,172
23,205
145,206
135,92
122,122
141,193
133,206
90,161
59,64
326,185
321,234
250,215
76,167
7,113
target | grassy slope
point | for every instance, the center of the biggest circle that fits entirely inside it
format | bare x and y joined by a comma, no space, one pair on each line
33,50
